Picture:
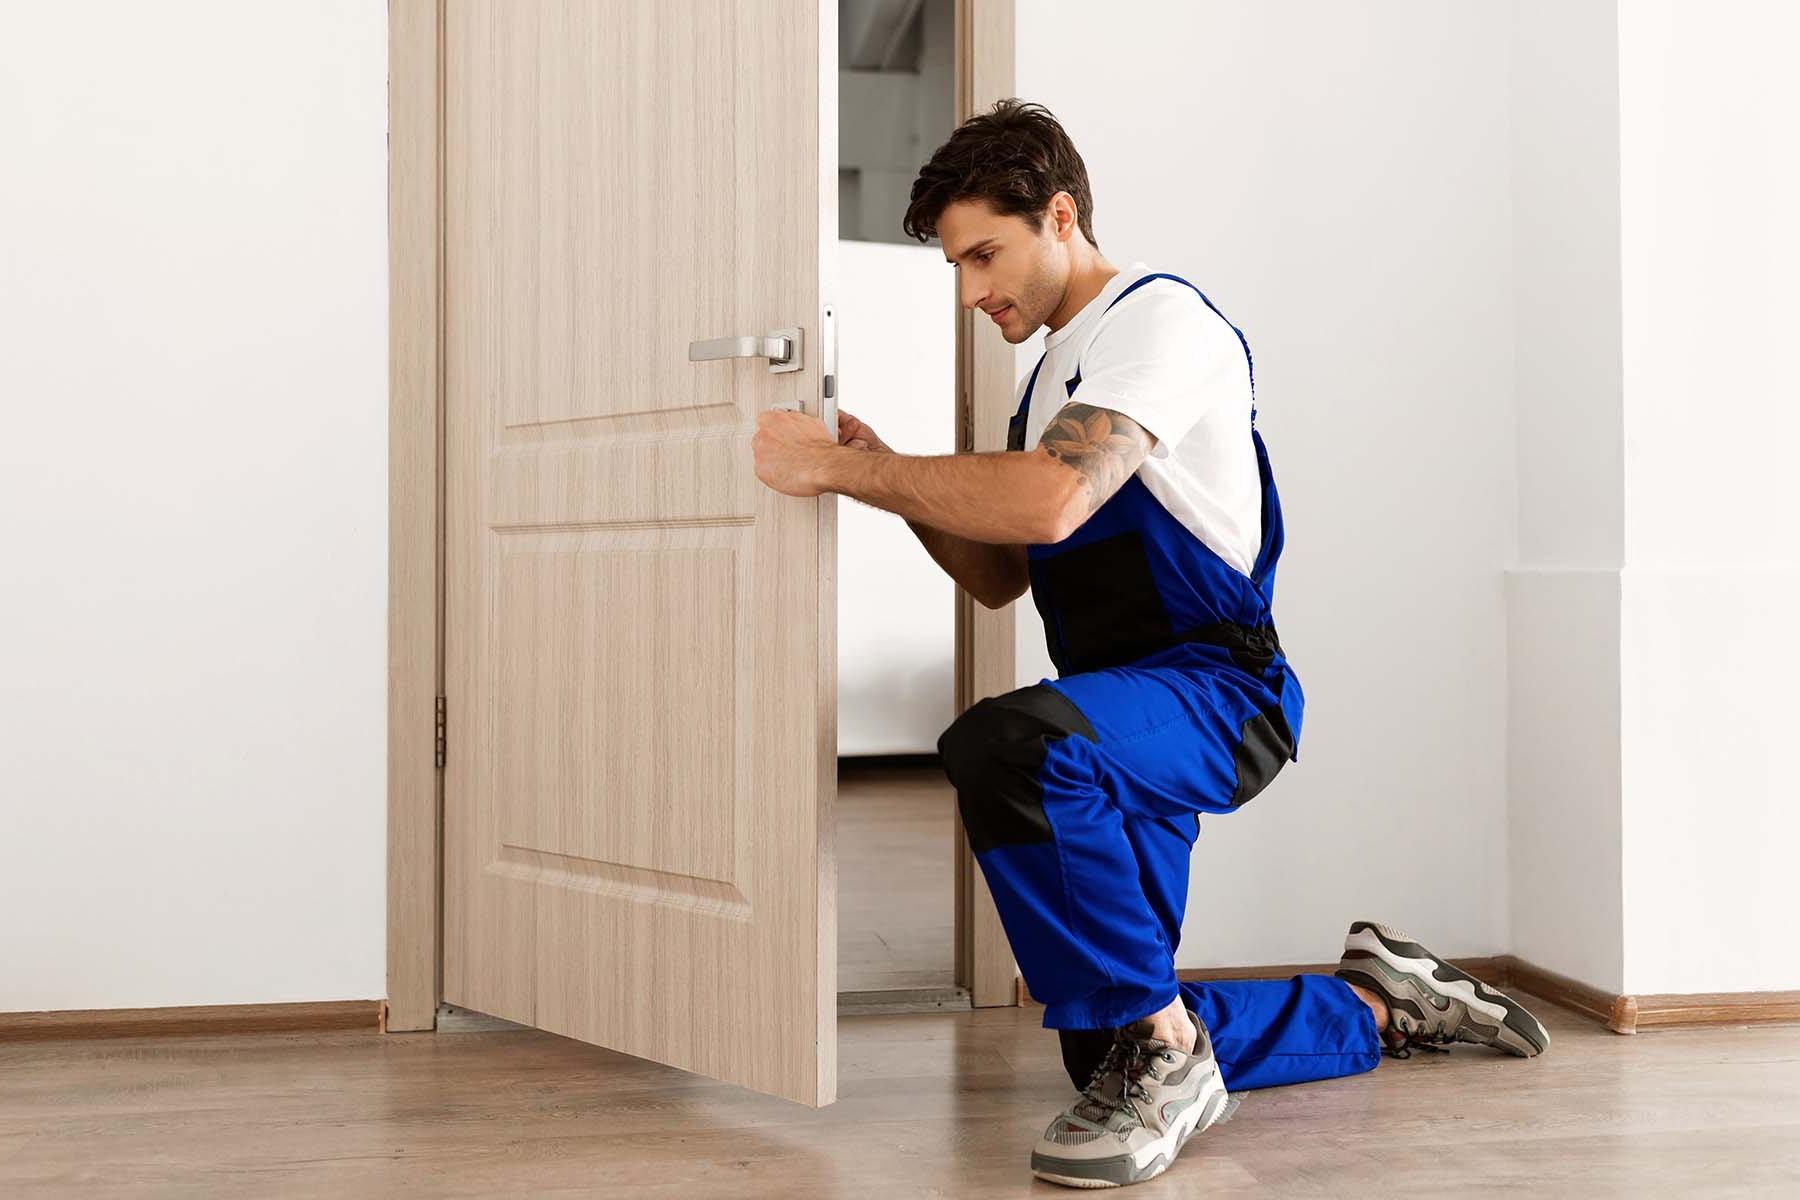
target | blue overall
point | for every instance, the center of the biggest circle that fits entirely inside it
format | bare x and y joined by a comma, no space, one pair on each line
1081,796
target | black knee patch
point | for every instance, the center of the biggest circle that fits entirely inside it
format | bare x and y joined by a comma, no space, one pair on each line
992,754
1264,745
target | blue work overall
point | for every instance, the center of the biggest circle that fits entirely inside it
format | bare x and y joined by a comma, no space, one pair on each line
1081,795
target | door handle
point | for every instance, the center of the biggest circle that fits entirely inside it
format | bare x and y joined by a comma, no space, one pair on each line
782,349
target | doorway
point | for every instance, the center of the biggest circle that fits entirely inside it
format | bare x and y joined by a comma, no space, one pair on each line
896,607
432,340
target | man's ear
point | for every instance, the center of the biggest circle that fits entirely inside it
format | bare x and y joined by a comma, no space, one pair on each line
1073,228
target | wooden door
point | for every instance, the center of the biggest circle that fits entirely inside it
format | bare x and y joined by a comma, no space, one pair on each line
640,637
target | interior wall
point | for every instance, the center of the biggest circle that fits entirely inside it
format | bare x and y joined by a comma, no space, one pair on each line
1335,176
1659,521
896,608
897,370
1711,183
193,726
1563,588
1565,789
195,475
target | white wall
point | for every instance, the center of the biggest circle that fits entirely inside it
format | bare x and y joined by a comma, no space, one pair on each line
1335,177
1519,281
1651,640
896,608
1404,206
193,484
1710,183
1565,789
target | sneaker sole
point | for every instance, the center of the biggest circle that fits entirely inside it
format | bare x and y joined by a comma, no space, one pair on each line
1124,1169
1401,954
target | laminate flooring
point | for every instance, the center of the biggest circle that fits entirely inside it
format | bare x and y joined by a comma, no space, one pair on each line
896,889
940,1105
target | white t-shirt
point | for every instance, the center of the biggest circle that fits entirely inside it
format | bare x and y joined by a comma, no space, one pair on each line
1165,359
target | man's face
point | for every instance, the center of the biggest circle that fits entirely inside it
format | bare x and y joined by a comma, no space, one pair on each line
1015,275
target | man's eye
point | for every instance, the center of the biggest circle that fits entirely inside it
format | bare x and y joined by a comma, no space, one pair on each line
985,257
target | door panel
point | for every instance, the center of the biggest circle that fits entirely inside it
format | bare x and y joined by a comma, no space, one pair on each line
640,636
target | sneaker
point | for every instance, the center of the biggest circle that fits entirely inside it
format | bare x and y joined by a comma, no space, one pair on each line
1142,1104
1429,1001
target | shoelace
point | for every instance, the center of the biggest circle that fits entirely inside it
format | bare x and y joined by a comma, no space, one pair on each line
1131,1060
1437,1043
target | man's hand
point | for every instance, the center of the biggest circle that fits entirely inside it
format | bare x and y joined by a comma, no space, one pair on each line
788,448
856,433
1000,497
994,574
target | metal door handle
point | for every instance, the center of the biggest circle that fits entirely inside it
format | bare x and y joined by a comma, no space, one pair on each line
782,349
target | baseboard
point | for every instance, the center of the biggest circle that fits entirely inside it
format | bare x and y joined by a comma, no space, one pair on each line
1654,1010
1668,1010
903,1000
851,764
1488,970
1572,994
304,1017
1621,1014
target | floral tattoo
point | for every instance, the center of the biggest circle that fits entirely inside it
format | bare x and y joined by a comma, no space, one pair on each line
1103,446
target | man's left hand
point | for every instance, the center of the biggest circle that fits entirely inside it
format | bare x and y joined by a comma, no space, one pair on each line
788,448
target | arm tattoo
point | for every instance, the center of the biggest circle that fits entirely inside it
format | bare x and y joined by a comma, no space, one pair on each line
1103,446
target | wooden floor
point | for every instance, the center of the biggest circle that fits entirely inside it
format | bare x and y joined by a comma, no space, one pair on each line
932,1105
896,889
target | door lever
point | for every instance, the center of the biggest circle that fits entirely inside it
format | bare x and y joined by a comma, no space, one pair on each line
782,348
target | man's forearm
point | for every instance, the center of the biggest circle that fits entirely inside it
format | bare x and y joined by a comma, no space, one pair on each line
994,574
1005,497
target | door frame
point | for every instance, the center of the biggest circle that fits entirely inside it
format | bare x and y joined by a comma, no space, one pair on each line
985,379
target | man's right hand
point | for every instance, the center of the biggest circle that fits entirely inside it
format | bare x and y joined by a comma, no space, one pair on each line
853,432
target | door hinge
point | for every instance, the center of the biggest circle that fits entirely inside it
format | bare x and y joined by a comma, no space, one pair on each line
439,756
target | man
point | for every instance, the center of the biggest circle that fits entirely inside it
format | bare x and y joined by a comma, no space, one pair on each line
1146,523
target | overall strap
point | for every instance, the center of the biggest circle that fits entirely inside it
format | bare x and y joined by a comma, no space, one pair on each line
1074,381
1025,400
1248,360
1262,571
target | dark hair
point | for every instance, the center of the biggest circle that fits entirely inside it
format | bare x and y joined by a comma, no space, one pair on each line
1015,156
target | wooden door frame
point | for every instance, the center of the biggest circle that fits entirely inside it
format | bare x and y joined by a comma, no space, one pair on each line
986,375
984,639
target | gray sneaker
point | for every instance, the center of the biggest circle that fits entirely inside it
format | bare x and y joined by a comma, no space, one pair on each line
1142,1104
1431,1002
